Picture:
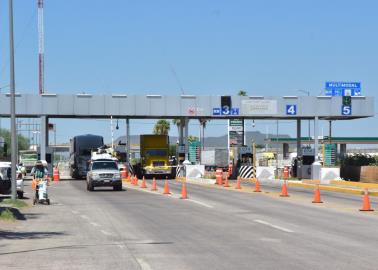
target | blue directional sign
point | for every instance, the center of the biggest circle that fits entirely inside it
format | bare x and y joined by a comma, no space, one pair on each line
346,110
216,111
343,89
234,111
226,110
291,109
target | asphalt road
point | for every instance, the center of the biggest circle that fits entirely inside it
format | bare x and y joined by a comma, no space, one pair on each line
214,229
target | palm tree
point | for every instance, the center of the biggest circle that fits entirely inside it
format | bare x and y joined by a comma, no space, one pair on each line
242,93
203,123
162,127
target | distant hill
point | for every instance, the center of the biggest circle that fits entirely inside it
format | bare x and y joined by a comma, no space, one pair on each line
221,141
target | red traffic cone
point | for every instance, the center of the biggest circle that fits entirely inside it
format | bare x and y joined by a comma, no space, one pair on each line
284,192
166,188
238,183
154,187
226,182
317,198
366,202
143,185
184,194
257,187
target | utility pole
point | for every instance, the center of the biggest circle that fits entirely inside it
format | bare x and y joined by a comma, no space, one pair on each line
41,48
13,102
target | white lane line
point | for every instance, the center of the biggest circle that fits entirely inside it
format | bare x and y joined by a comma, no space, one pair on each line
84,217
121,246
143,264
105,232
74,212
174,196
94,224
200,203
273,226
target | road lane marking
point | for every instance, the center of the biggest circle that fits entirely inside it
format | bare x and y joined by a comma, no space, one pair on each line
174,196
84,217
143,264
273,226
94,224
105,232
200,203
75,212
121,246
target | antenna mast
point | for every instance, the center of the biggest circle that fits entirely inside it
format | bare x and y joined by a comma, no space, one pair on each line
41,49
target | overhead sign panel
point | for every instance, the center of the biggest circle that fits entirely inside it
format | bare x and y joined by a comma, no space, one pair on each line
259,107
343,89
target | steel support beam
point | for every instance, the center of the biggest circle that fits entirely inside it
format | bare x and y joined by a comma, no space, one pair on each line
299,150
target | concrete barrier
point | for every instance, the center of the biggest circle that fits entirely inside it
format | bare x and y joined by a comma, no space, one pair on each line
265,172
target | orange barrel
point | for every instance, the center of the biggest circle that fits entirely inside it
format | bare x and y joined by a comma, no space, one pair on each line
286,172
218,176
56,176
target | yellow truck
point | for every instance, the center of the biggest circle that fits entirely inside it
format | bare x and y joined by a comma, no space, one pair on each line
154,153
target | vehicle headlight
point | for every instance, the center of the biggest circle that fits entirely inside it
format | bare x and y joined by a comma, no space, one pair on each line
95,176
117,175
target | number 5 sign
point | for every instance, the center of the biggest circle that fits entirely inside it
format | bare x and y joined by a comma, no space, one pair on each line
346,110
291,109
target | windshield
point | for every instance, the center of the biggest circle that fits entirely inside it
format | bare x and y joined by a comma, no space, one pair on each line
104,165
29,156
156,153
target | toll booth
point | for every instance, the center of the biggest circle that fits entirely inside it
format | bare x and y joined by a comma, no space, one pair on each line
181,154
244,164
308,157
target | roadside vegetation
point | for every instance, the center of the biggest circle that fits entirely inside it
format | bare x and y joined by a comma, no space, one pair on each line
5,209
360,160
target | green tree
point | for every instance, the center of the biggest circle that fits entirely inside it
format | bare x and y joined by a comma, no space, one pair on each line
162,127
242,93
23,142
192,138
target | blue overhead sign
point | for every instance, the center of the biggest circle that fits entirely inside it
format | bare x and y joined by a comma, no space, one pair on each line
343,89
226,111
216,111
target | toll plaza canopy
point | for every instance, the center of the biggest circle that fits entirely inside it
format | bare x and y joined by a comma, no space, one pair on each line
186,106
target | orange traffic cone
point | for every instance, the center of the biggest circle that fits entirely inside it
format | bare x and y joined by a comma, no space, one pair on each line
184,194
317,195
284,192
226,182
166,188
366,202
154,187
257,187
135,181
238,184
143,185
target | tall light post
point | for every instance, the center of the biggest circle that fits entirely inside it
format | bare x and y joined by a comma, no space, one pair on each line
309,121
12,101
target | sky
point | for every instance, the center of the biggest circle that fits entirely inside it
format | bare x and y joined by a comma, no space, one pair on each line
203,47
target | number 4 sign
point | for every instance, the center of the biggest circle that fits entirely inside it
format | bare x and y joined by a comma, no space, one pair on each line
291,109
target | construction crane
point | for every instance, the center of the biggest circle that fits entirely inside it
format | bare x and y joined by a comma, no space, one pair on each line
41,49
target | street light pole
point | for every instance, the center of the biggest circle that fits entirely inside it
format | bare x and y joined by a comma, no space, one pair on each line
12,101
